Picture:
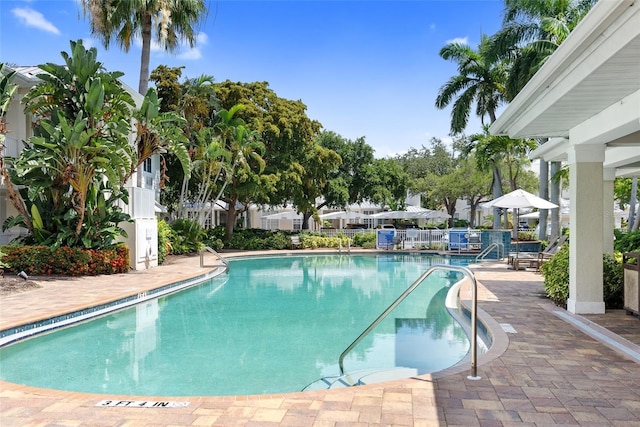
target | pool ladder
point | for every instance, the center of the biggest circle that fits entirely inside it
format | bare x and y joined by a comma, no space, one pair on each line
217,255
499,247
407,292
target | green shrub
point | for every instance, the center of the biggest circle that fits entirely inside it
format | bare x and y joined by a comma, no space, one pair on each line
259,239
165,240
212,237
3,264
626,242
613,277
556,278
187,238
362,239
46,260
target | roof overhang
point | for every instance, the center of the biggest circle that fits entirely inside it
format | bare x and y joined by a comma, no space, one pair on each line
588,91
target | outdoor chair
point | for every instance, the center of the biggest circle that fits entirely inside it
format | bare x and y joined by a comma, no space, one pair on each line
295,242
536,260
550,251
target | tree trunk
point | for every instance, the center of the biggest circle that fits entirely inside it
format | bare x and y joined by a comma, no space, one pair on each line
143,83
15,198
496,186
554,197
632,204
543,193
231,220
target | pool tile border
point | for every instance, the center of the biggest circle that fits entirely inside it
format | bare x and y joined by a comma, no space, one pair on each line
20,332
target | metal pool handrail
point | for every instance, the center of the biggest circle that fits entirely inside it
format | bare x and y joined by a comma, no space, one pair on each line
220,257
405,294
496,245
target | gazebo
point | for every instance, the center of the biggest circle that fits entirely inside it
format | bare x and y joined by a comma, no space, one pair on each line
586,99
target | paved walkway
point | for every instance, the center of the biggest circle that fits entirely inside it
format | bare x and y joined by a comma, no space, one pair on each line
547,371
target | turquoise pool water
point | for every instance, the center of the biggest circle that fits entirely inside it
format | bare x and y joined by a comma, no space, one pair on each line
270,325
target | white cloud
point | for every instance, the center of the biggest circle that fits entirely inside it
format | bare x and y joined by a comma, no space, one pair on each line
193,53
33,18
185,51
459,40
88,43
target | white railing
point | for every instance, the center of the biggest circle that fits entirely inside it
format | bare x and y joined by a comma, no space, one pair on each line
410,239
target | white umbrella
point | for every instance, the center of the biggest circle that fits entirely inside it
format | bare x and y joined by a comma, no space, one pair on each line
519,199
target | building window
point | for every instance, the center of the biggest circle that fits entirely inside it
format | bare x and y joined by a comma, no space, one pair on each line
147,165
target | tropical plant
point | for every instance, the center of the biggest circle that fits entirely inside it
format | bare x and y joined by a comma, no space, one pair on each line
75,166
169,22
479,81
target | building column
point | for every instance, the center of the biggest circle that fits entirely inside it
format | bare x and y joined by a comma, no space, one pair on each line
609,175
586,229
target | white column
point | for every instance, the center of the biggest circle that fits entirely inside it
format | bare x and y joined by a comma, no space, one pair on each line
586,229
609,175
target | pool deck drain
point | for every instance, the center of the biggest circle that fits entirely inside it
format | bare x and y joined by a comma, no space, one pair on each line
551,372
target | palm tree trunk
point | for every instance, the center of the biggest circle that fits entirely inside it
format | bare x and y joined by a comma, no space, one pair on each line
145,54
496,186
632,204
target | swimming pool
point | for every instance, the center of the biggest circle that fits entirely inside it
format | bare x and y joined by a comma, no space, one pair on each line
269,325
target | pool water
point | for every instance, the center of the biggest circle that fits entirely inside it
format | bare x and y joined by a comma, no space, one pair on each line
269,325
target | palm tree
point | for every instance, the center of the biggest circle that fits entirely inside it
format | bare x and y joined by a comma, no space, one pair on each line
531,32
168,21
478,81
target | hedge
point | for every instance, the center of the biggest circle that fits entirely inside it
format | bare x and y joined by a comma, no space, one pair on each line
45,261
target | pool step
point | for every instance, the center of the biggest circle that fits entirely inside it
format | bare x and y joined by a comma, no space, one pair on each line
363,377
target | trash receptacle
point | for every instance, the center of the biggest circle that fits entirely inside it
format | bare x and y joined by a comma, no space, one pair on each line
631,266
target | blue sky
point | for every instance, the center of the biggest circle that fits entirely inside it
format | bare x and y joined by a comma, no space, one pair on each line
363,68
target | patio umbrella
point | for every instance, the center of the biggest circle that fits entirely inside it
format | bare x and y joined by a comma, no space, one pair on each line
519,199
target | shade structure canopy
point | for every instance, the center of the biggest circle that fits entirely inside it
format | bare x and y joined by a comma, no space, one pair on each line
411,212
520,199
283,215
344,215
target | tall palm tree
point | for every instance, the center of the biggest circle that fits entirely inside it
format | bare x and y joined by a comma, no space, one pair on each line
531,31
480,81
168,21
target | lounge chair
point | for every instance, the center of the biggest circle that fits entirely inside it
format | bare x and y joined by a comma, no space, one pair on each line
551,250
536,260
